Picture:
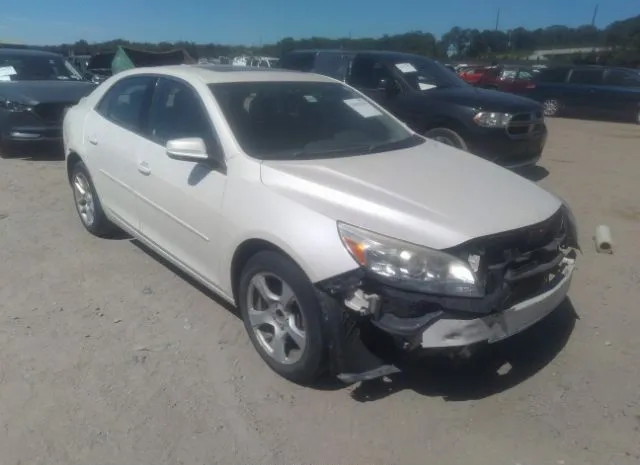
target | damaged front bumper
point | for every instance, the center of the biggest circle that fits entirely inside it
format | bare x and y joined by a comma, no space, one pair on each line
526,281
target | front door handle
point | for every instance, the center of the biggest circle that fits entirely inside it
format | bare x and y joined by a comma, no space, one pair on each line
93,140
143,167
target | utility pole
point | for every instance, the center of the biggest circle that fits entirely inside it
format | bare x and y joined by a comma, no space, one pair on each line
498,19
595,13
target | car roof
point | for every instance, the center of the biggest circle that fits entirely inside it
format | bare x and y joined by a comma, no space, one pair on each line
212,74
27,52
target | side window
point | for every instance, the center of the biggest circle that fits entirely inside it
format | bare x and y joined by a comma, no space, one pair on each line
553,75
525,74
508,74
586,76
618,77
300,61
123,104
177,112
332,64
366,73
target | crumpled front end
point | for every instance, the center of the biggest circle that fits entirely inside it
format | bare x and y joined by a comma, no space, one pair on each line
526,274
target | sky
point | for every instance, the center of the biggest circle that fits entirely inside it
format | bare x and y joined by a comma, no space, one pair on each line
252,22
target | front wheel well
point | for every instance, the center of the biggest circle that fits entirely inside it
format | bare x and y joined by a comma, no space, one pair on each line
72,160
243,254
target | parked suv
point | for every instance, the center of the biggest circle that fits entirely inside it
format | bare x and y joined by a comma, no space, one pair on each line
592,91
35,89
506,129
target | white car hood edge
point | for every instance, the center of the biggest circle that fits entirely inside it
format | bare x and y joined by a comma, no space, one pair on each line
431,195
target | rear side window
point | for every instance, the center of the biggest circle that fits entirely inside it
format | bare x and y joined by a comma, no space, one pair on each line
553,75
125,102
525,74
619,77
586,76
333,65
299,61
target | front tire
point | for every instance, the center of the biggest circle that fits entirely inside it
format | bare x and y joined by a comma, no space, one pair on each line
88,204
282,314
448,137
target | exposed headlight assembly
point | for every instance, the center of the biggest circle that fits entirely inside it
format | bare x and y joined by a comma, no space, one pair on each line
12,105
492,120
408,266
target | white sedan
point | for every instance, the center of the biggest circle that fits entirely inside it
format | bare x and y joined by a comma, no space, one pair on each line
320,215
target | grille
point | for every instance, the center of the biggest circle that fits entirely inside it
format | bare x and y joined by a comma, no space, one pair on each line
51,112
525,124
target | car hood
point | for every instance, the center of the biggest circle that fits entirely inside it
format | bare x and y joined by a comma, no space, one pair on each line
34,92
484,99
432,195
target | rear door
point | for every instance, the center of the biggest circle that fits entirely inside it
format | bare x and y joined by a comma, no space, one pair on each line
622,93
584,93
111,138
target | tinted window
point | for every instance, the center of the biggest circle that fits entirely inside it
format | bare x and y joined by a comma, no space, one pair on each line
332,64
299,61
367,72
124,102
177,112
586,76
553,75
620,77
286,120
31,67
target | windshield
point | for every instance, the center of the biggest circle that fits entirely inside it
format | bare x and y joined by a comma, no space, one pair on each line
287,120
14,67
423,74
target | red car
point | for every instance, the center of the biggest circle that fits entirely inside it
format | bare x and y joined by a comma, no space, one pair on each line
473,75
507,79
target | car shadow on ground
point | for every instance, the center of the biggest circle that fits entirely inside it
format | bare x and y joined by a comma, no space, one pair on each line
202,288
533,173
494,369
34,152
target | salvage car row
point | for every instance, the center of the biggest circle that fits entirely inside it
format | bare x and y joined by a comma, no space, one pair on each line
320,209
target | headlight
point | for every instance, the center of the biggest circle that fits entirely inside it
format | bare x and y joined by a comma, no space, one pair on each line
492,120
12,105
410,266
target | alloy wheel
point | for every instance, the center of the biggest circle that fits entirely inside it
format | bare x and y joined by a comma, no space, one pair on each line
275,318
84,199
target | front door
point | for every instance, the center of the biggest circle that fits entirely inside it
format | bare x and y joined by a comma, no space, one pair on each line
180,200
112,137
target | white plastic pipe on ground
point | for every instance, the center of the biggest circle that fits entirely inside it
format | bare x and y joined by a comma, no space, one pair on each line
604,242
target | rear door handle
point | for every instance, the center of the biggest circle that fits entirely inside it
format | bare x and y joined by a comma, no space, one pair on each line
93,140
143,167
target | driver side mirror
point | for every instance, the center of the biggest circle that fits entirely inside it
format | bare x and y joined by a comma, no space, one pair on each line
389,87
188,149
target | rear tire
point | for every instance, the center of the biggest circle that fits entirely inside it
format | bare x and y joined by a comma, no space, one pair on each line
448,137
281,311
88,204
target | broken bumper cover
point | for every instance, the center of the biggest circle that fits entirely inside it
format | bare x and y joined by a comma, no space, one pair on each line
526,287
452,332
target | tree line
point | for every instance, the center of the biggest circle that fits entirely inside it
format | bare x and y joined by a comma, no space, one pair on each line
457,44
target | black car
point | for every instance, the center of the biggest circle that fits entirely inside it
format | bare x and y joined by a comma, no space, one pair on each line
589,91
433,101
35,89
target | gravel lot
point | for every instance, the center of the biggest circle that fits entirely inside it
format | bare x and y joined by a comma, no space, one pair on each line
110,357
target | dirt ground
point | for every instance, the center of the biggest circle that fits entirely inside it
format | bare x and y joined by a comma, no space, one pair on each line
107,356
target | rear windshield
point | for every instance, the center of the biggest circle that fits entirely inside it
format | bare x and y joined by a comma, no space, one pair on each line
15,67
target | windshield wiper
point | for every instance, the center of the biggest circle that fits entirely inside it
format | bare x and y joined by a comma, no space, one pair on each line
304,153
392,145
